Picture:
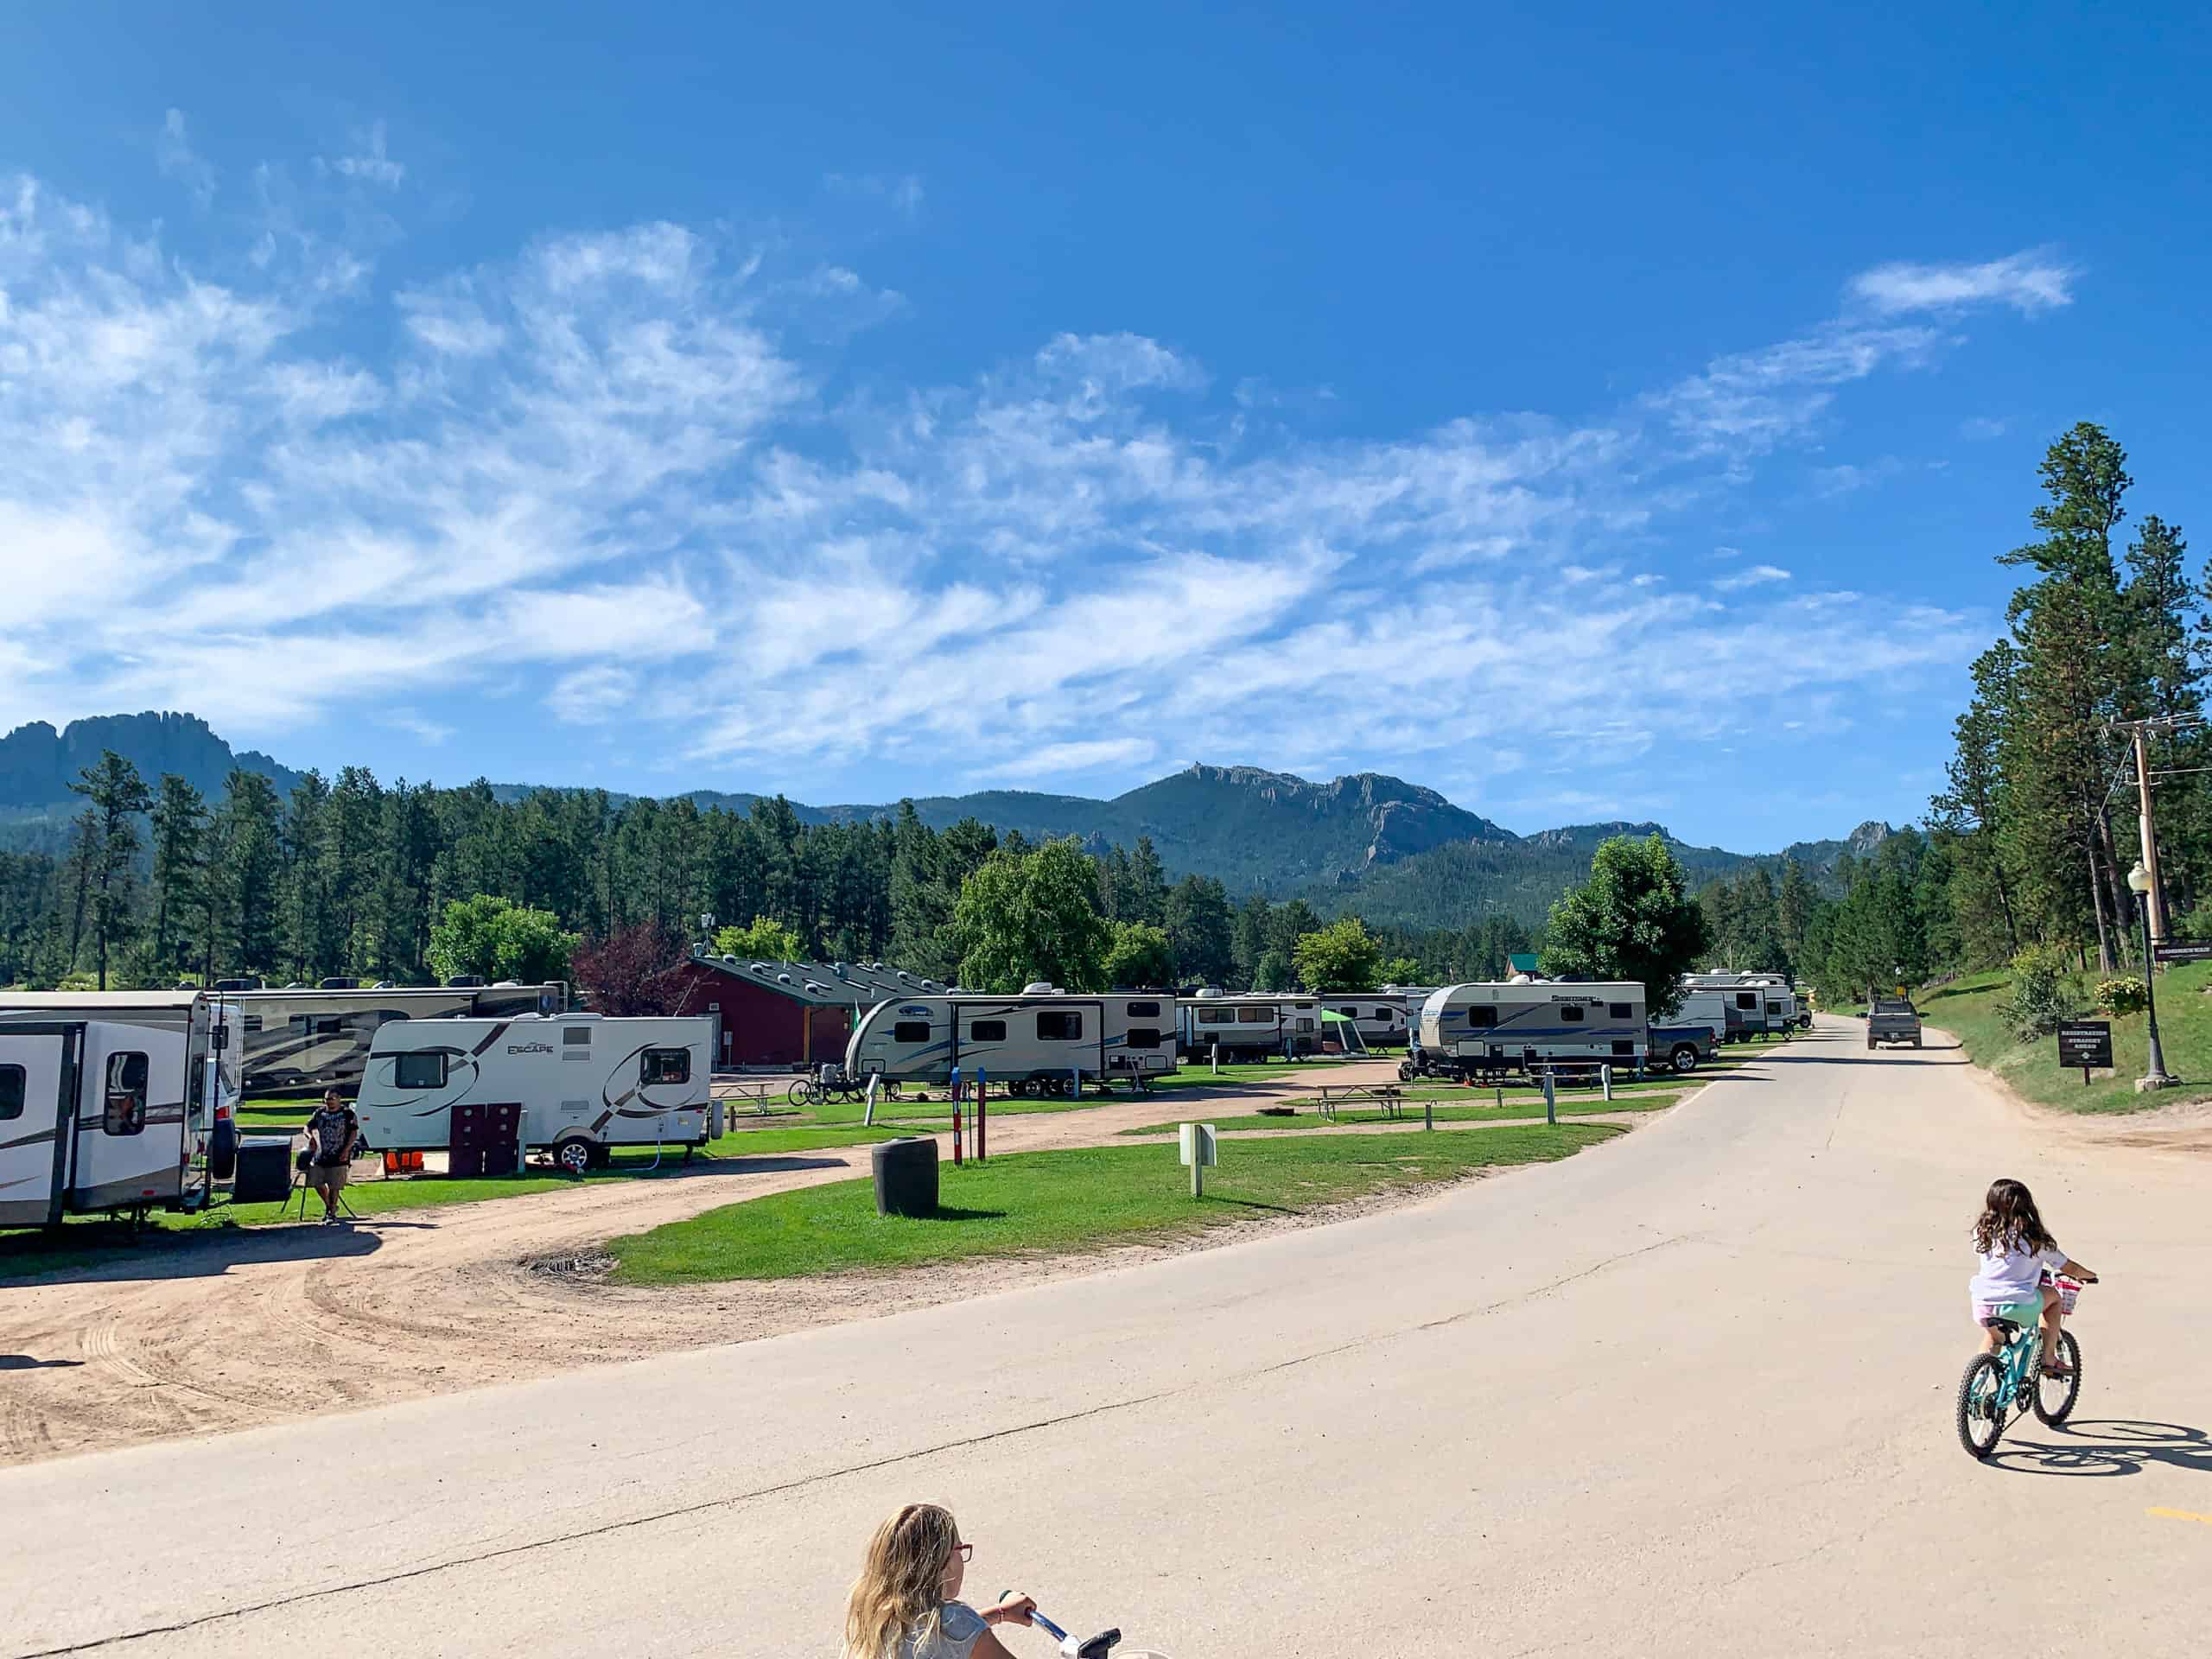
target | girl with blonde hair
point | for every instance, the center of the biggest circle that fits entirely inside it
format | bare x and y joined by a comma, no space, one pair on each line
906,1603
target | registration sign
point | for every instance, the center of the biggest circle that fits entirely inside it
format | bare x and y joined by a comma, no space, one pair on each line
2182,950
2085,1043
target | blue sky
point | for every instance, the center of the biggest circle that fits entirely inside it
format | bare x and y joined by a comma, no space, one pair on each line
1602,413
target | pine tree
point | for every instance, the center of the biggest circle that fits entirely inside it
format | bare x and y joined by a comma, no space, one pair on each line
117,795
179,830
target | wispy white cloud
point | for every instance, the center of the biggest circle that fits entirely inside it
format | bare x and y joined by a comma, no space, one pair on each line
902,193
174,154
2030,281
1757,576
369,160
607,467
1982,428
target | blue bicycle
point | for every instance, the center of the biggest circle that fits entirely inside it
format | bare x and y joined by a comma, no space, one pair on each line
2006,1385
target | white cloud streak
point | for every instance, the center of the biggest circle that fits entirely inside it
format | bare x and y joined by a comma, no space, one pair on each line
175,157
2030,281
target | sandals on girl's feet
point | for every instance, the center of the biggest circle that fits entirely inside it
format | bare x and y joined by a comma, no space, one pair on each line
2059,1372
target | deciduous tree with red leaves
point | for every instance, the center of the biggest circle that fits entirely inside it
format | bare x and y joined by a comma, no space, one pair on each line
632,970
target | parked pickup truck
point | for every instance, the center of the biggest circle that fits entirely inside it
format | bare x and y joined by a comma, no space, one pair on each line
1679,1048
1892,1019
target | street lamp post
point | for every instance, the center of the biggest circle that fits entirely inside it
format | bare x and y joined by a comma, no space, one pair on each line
2155,1075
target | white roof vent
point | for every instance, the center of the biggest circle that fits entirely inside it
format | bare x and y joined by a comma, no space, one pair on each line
783,979
818,985
1037,987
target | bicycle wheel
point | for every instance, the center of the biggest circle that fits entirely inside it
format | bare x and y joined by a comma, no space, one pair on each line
1981,1405
800,1093
2054,1396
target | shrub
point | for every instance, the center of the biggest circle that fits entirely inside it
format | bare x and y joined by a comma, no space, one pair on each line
2040,996
2127,994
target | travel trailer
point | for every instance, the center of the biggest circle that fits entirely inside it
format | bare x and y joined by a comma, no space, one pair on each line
1705,1008
586,1083
1758,1003
1518,1027
1381,1018
302,1039
1255,1025
111,1102
1040,1035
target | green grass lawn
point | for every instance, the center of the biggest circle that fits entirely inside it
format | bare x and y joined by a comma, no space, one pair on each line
1049,1202
1967,1008
1454,1114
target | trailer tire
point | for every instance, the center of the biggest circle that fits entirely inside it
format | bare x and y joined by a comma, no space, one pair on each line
574,1154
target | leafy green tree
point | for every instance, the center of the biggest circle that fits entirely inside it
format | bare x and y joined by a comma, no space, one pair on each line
117,795
1139,957
1633,920
762,940
495,938
1273,972
1028,916
1400,970
1342,956
1252,938
248,861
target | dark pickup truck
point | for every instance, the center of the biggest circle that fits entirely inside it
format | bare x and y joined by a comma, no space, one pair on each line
1892,1019
1679,1048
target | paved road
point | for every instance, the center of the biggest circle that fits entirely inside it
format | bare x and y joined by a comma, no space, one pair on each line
1688,1394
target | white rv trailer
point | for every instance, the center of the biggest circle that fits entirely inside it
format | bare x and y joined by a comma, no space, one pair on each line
1039,1034
311,1038
1254,1025
1704,1008
110,1100
1491,1026
1381,1018
1759,1003
585,1081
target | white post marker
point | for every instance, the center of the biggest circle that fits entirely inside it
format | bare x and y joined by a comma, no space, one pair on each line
1200,1149
1605,1078
874,1079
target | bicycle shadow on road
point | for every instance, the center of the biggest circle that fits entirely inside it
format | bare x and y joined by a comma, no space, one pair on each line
2112,1446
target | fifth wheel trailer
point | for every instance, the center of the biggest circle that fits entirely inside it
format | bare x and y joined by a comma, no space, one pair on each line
110,1102
1258,1024
312,1038
585,1083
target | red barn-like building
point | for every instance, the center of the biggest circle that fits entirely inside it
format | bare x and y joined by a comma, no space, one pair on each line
787,1015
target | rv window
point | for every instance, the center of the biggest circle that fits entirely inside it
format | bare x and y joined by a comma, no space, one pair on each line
987,1030
126,1095
1256,1016
12,1091
1483,1017
576,1036
318,1025
1619,1011
666,1065
1059,1026
1142,1011
419,1069
1569,1014
910,1030
1774,1008
1748,1000
1143,1037
252,1023
1217,1016
1349,1013
1304,1023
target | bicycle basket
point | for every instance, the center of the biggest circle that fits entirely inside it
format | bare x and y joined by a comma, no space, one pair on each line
2068,1290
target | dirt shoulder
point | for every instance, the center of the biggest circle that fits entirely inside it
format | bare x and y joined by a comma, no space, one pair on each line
2183,1130
204,1333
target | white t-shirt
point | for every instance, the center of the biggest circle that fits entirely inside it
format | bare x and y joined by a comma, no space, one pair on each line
2014,1273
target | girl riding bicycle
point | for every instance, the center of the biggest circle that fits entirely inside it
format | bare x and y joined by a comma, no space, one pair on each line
2016,1250
904,1604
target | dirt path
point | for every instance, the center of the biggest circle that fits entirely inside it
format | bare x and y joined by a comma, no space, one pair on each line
201,1333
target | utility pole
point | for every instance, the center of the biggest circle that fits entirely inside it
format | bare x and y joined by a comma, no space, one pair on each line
2155,900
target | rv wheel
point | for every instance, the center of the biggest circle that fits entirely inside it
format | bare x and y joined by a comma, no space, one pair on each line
575,1155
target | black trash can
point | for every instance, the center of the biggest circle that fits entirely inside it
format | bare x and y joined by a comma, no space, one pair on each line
265,1174
906,1176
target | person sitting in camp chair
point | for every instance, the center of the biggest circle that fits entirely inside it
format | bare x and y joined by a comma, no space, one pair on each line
332,1133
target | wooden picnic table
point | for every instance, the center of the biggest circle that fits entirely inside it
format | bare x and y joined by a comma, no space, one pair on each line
1389,1095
